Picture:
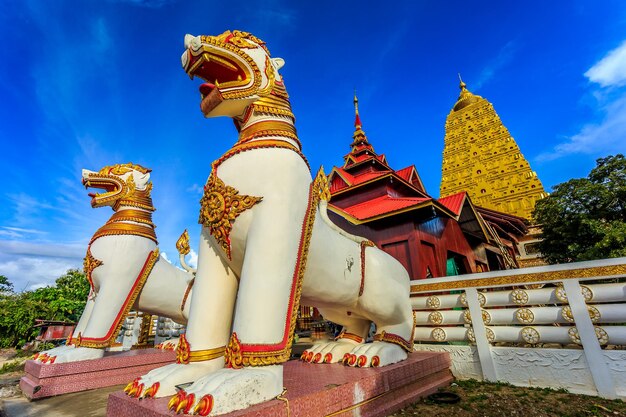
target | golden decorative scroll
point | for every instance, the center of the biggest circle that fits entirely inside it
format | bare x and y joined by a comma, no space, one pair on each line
220,206
182,350
89,264
182,244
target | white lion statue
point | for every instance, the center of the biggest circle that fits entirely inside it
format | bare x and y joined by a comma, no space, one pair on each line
267,246
123,266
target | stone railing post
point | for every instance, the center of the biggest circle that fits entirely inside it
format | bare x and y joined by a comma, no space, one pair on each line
483,344
588,339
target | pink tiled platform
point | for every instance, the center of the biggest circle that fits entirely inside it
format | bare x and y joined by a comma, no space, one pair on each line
43,381
316,390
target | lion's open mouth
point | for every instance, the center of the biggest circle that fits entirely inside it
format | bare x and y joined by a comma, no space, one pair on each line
218,72
110,188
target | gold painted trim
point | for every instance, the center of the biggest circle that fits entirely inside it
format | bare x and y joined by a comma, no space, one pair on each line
207,354
593,272
131,215
113,229
259,128
349,336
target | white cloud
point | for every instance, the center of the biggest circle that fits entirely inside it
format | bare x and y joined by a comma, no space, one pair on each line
193,259
504,57
596,138
164,256
22,230
610,71
30,265
28,273
195,189
607,135
18,232
43,249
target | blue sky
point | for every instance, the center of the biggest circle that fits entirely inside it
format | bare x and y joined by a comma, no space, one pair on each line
85,84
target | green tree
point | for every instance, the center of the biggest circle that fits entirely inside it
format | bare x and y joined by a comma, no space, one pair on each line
6,286
63,301
66,298
585,218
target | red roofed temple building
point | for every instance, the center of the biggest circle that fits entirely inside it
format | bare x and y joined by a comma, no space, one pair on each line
430,237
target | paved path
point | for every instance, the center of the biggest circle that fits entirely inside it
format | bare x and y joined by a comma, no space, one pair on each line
79,404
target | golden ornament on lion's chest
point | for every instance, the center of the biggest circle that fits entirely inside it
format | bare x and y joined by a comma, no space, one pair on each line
220,206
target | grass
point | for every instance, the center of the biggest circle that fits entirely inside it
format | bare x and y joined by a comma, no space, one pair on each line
502,399
13,366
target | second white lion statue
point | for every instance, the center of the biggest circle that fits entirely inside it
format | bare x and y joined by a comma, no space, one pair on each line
123,266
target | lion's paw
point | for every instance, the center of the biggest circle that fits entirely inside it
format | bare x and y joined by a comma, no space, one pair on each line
170,344
46,356
70,354
329,352
374,354
228,390
161,382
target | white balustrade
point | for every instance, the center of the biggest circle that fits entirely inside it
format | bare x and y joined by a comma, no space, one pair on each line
543,312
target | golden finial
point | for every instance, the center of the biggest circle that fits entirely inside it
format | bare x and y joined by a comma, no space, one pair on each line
462,85
357,118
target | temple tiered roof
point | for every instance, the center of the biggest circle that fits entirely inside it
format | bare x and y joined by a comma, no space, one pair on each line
390,192
392,208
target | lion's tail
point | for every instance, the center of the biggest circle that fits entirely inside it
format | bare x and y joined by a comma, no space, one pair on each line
323,211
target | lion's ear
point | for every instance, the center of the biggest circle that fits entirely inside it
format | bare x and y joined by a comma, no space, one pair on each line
142,177
278,62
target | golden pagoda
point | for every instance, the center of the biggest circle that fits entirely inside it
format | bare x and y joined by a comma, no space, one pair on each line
482,158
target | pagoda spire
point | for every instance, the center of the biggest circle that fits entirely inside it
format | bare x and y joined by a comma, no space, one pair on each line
465,97
359,136
357,118
360,148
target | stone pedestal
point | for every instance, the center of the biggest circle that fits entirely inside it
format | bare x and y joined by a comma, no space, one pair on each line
43,381
328,390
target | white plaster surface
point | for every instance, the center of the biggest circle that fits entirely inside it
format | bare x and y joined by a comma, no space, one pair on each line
541,367
554,368
465,361
616,362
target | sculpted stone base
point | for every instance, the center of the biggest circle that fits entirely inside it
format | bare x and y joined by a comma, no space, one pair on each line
328,389
48,380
